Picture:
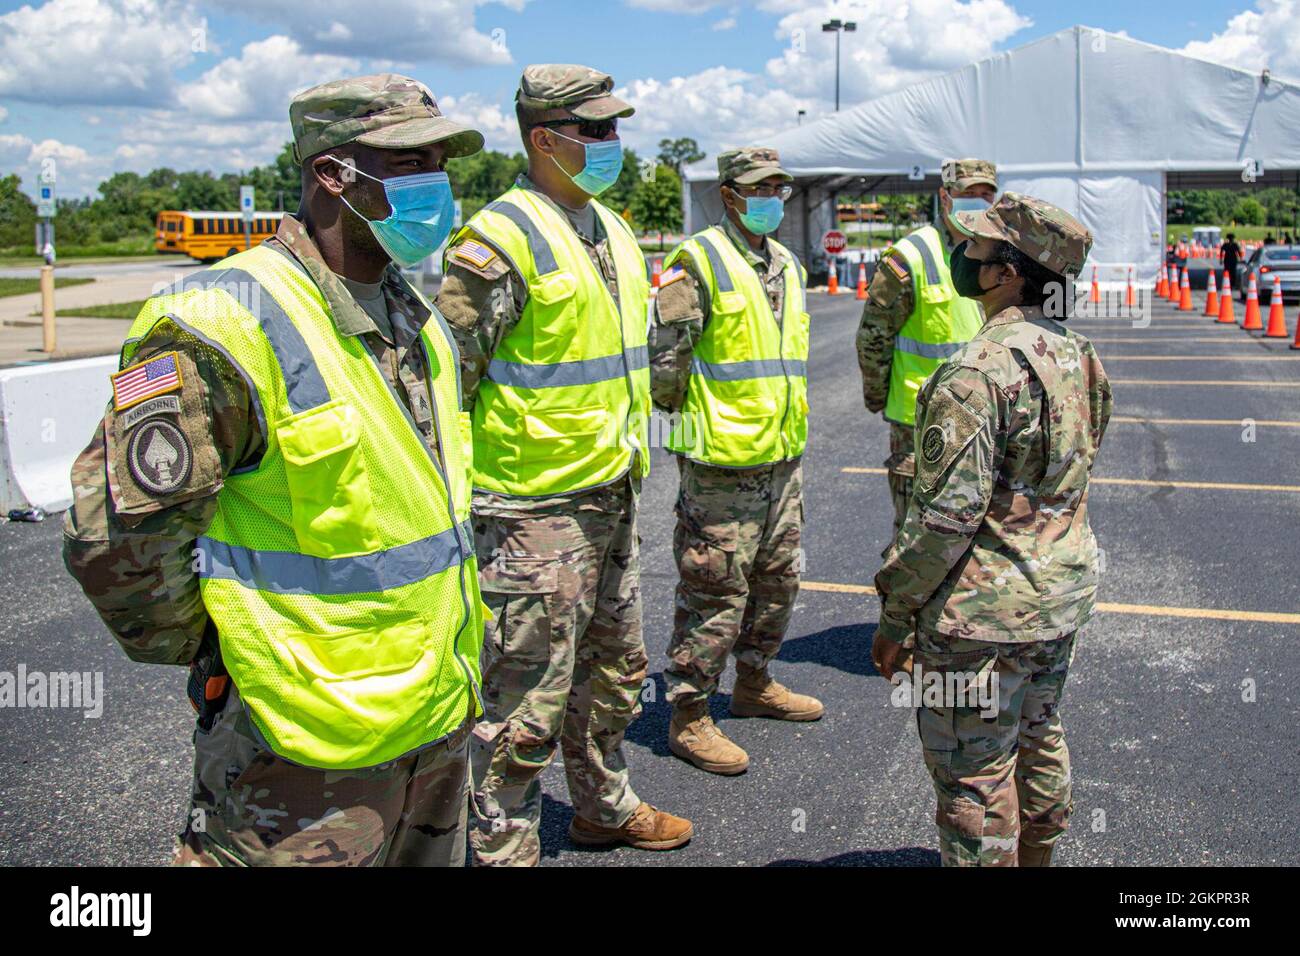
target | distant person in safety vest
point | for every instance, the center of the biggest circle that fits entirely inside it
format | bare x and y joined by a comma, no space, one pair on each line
914,319
279,498
546,293
729,361
995,569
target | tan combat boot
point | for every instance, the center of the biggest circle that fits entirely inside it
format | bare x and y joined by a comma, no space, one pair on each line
647,829
757,695
694,737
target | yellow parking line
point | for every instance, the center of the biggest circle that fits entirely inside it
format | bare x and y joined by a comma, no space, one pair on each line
1235,422
1149,339
1213,382
1142,482
1110,607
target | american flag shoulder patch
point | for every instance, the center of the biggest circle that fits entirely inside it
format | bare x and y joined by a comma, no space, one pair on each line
142,381
473,253
896,267
671,276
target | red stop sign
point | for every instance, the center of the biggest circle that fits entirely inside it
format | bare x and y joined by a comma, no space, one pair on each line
834,242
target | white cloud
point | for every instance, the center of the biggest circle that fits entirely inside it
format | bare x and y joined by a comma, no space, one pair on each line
76,170
497,124
726,23
401,31
673,6
896,43
718,107
1268,36
96,51
4,114
258,84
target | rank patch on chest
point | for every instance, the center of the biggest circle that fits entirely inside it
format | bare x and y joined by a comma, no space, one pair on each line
158,376
159,457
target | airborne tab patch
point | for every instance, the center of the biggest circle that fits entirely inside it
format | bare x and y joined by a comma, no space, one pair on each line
141,382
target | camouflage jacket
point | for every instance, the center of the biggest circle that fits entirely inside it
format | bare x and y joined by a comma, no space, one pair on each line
996,544
890,301
683,307
131,549
482,298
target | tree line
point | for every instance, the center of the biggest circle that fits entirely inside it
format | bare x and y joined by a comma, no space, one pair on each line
121,217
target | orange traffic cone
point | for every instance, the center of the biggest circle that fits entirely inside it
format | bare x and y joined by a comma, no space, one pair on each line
1276,316
1253,321
1296,343
1225,301
1095,294
833,283
1130,298
1174,288
1212,298
1162,284
862,280
1185,294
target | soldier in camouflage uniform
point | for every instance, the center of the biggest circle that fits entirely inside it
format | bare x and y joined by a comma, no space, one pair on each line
737,540
996,566
564,663
130,542
891,301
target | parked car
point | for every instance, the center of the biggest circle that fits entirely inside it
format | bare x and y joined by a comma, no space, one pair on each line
1266,262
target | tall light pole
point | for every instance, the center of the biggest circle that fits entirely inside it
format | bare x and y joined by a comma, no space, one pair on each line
801,115
836,26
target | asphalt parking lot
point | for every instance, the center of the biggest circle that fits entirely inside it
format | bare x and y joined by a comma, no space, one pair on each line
1180,710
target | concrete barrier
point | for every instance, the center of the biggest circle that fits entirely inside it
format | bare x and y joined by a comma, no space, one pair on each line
47,415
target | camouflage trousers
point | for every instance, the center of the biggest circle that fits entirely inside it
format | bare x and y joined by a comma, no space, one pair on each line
563,665
1001,781
250,807
901,465
737,546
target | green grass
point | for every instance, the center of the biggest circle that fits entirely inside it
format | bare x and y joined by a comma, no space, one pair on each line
1243,233
26,286
114,310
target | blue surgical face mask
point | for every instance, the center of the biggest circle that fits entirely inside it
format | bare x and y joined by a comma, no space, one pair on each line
762,214
602,167
422,216
968,204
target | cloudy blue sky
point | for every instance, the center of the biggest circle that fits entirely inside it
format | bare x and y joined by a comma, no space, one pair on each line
108,85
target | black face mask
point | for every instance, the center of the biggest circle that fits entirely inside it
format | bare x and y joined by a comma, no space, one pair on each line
966,273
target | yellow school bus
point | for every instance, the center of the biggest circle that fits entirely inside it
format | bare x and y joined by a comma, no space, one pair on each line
210,235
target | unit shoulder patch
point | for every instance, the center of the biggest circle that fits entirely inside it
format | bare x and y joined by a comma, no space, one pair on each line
142,381
159,457
950,427
475,254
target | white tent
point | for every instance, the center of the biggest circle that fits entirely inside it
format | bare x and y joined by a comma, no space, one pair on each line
1100,124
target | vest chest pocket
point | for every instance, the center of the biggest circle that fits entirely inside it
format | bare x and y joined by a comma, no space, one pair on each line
554,325
333,508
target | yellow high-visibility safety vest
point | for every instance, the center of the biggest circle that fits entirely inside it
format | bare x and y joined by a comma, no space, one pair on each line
339,572
940,322
747,399
565,403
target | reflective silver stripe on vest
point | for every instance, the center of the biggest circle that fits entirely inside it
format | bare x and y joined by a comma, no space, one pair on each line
558,374
927,257
740,371
540,247
931,350
302,379
285,572
721,277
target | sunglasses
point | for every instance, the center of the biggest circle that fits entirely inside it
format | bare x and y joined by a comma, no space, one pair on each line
782,192
591,129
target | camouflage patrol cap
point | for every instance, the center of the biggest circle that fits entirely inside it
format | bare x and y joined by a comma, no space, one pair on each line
582,91
385,110
750,165
959,174
1047,234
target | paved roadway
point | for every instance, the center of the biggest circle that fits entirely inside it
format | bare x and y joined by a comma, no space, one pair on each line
1171,765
